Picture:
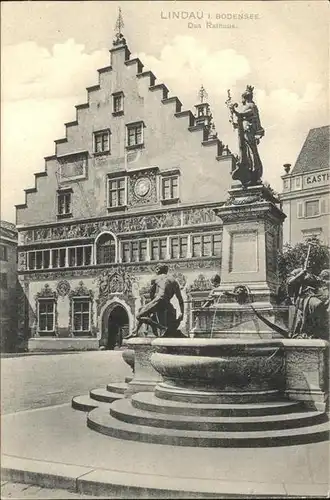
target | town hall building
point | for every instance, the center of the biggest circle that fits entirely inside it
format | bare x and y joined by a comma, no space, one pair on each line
133,183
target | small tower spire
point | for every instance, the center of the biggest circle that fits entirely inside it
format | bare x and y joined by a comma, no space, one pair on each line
202,94
204,116
119,37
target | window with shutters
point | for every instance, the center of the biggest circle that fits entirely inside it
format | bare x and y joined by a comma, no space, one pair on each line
300,209
312,208
324,205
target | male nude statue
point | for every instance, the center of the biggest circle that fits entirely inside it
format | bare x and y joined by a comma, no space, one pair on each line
159,312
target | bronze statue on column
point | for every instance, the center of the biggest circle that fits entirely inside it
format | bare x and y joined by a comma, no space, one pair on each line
247,122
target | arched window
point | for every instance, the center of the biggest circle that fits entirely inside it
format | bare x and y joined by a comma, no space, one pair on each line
105,249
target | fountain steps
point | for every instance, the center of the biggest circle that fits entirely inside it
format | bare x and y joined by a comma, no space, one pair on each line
147,418
123,411
99,397
86,403
117,387
149,402
105,395
101,421
170,392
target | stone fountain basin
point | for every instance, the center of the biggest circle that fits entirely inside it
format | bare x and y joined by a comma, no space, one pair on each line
220,364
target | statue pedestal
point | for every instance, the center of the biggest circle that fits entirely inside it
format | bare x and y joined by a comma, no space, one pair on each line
145,376
307,372
252,238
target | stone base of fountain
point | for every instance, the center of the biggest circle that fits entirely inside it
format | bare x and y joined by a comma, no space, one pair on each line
214,393
219,370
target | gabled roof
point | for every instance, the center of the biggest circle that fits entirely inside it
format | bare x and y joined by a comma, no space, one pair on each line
314,154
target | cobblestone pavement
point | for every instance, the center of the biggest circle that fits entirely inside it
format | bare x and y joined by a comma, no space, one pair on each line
21,490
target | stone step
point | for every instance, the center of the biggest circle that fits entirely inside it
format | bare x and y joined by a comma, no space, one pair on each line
124,411
104,395
85,403
149,402
174,393
100,421
119,387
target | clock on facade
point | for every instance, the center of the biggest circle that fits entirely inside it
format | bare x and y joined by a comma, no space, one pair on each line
142,187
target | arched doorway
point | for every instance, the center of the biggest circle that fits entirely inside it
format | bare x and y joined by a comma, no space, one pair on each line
115,326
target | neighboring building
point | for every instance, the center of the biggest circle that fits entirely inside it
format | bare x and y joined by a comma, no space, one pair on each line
8,284
134,182
306,189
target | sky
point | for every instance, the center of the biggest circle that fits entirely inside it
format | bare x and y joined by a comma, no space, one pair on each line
51,51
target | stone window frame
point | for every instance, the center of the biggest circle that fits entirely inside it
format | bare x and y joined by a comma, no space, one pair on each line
118,95
53,303
66,263
81,292
76,300
67,194
323,207
116,178
139,242
212,235
47,294
170,175
96,247
102,133
158,238
131,126
179,237
84,257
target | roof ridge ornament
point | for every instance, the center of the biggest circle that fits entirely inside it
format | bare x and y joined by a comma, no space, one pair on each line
119,37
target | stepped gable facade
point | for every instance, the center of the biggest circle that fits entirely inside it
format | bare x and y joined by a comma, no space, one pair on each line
133,183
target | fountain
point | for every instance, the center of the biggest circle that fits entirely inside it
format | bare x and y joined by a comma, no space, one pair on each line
235,381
